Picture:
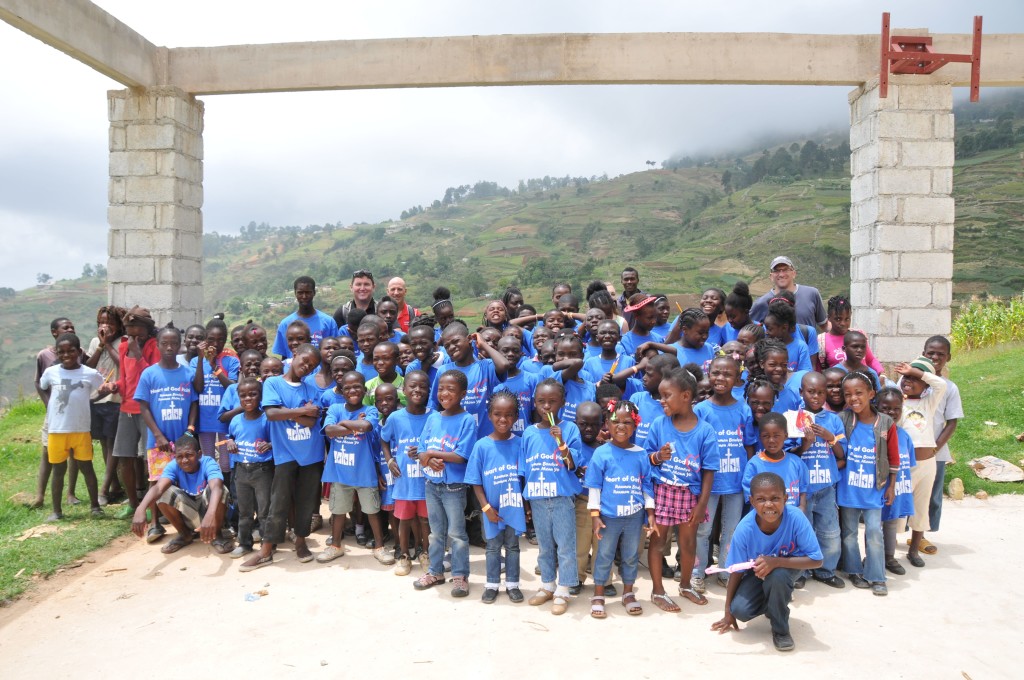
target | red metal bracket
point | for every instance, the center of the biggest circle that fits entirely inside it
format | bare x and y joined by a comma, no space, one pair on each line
902,54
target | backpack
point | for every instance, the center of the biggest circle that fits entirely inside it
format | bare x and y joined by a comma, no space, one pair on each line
883,424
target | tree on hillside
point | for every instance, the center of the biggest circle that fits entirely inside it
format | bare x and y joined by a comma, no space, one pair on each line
87,272
7,293
43,278
99,270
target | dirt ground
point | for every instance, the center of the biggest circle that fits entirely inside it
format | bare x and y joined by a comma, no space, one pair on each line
134,608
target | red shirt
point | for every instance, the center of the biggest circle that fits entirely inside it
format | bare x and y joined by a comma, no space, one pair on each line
131,371
405,316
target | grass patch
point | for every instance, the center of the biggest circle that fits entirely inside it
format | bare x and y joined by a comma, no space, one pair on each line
77,535
992,390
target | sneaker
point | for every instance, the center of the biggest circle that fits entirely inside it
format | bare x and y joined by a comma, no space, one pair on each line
611,591
97,511
54,517
783,642
895,567
859,581
724,582
424,559
403,566
800,583
515,595
383,556
329,553
371,543
428,580
833,582
879,588
155,533
460,588
576,589
127,512
239,551
489,596
361,538
697,584
103,500
315,523
666,569
531,537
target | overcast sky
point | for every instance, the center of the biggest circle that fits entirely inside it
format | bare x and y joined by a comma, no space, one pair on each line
355,156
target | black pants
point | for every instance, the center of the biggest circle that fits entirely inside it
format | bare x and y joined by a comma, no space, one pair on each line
770,597
298,484
253,483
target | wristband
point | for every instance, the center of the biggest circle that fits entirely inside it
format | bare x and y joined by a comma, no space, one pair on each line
486,508
595,513
191,428
635,369
219,372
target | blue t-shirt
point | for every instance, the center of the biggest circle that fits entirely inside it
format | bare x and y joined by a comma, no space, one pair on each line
193,483
523,386
787,400
213,392
292,442
529,365
594,368
494,466
583,460
799,356
716,335
169,394
229,401
540,462
692,453
352,458
663,329
734,427
702,357
790,468
903,502
576,392
857,488
631,341
449,434
794,537
650,410
248,434
367,369
819,460
431,369
320,326
624,478
402,431
482,380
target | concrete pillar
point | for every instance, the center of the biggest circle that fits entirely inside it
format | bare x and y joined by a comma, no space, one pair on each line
155,199
902,212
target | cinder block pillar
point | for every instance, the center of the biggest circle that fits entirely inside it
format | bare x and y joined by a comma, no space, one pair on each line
155,214
901,216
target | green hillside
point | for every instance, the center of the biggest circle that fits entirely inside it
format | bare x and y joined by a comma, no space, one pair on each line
693,224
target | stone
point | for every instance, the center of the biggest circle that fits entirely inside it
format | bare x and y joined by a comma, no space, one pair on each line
956,489
981,495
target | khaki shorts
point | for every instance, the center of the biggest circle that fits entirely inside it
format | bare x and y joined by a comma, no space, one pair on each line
343,497
192,508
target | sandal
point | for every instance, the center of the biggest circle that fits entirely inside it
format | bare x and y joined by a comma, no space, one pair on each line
633,607
927,547
253,566
223,545
693,596
665,603
176,544
155,533
597,607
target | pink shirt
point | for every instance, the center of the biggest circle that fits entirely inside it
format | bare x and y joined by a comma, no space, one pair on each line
834,353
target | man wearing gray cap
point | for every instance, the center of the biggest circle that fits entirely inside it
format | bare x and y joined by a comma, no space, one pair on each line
810,310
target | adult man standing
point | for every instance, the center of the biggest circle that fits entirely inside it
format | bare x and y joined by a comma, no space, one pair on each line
630,287
320,325
362,288
406,312
810,310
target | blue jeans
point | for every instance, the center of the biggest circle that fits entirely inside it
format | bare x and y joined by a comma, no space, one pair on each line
770,597
616,529
554,520
873,568
506,538
731,505
823,515
935,504
446,513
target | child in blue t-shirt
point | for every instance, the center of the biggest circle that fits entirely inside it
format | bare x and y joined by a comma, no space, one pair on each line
482,375
289,402
645,317
251,462
821,450
773,359
248,367
733,423
772,430
567,367
621,497
647,399
609,356
890,402
684,452
386,400
547,463
398,441
492,470
214,371
444,447
590,419
518,381
780,324
769,548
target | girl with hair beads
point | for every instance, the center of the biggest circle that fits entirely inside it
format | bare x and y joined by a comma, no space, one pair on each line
492,472
693,346
443,310
621,497
832,352
780,324
256,338
894,515
684,452
547,464
712,303
645,316
513,300
737,311
603,300
867,483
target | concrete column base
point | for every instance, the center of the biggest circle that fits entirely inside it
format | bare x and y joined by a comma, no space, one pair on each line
155,203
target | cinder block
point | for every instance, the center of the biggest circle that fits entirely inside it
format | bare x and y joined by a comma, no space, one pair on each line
188,245
877,266
179,270
902,237
875,321
943,125
861,296
116,191
151,137
903,125
154,296
129,217
178,217
190,297
152,189
928,210
942,293
930,266
942,237
904,181
132,163
942,181
115,243
930,154
863,187
117,138
193,195
925,97
149,243
926,322
130,269
860,241
898,294
864,160
890,349
863,131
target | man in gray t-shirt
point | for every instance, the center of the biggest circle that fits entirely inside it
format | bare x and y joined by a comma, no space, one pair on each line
810,310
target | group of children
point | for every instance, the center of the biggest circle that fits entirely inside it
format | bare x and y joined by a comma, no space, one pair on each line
593,433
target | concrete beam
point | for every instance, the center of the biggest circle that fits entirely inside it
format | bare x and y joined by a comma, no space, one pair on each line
94,37
567,59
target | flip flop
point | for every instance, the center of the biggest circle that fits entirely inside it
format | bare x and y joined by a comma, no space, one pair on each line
693,596
223,545
261,562
926,546
176,544
665,603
